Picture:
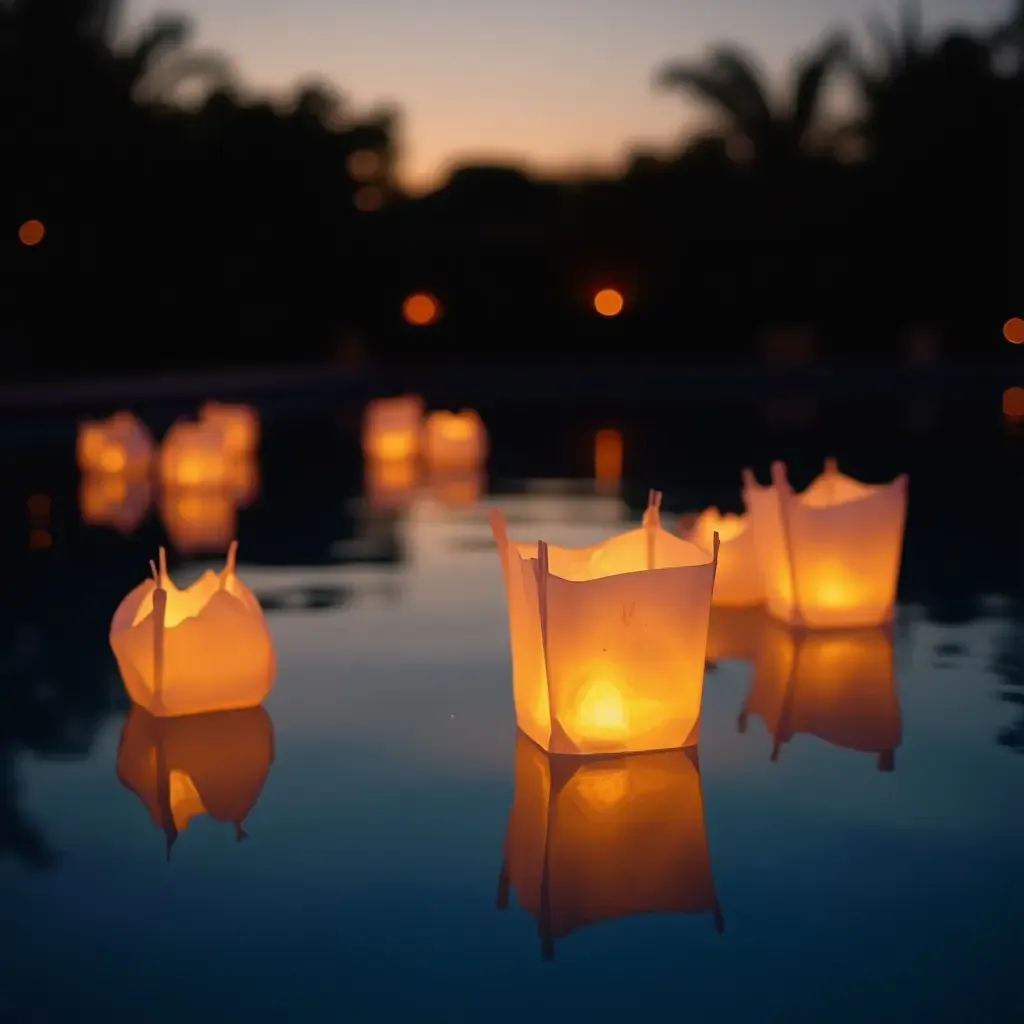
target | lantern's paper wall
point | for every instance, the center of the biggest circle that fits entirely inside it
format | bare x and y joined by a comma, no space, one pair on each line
114,499
239,426
186,652
120,444
734,634
194,455
738,580
454,438
829,557
391,428
608,642
390,484
199,519
215,764
838,685
598,839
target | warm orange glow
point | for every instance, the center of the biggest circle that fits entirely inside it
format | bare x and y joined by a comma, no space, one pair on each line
39,540
215,764
838,685
608,302
829,557
455,486
608,657
1013,330
734,634
239,426
114,499
1013,403
364,164
738,580
199,520
368,199
31,232
391,484
608,458
454,438
392,427
120,444
421,309
196,455
594,840
186,652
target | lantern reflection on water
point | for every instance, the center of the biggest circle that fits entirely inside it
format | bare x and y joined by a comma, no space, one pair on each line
120,444
608,642
455,486
215,764
737,579
829,557
390,484
454,438
838,685
590,840
114,499
204,648
391,428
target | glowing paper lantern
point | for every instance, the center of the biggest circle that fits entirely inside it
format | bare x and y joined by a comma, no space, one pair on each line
391,428
596,839
391,484
120,444
194,455
608,642
215,764
239,426
838,685
114,499
199,519
454,438
829,557
185,652
738,579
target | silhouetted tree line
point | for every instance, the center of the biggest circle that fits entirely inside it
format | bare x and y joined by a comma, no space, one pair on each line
186,225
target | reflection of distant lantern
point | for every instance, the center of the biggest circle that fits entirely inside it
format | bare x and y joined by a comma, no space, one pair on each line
213,764
838,685
608,459
114,499
455,486
738,579
608,642
597,839
239,426
391,427
454,438
199,520
829,557
185,652
391,483
120,444
734,633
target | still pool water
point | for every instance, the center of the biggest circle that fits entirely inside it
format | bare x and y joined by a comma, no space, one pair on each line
843,853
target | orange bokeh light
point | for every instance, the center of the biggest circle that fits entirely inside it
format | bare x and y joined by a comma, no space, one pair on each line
608,302
31,232
1013,330
421,309
1013,403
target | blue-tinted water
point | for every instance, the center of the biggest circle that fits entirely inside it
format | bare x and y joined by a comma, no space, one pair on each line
368,885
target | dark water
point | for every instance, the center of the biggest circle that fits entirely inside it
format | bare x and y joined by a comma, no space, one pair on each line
872,871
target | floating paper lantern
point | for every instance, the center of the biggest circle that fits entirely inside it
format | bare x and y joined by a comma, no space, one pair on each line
838,685
391,428
829,557
194,455
608,642
214,764
120,444
114,499
454,438
239,426
592,840
185,652
737,579
199,520
391,484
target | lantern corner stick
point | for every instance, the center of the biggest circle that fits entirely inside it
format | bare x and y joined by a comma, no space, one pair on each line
153,570
748,478
716,543
232,558
163,565
831,465
779,474
159,612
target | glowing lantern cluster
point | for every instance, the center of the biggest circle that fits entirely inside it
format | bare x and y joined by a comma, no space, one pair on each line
186,652
214,764
608,642
119,445
591,840
391,428
737,581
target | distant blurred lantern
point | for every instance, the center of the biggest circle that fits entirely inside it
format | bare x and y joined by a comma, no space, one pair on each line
597,839
120,444
608,642
421,309
830,557
608,302
199,520
32,232
1013,403
239,426
734,634
364,164
114,499
454,438
1013,330
195,455
215,764
838,685
738,579
391,483
391,427
368,199
455,486
608,460
185,652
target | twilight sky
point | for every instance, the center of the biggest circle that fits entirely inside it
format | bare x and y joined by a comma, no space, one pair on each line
554,83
